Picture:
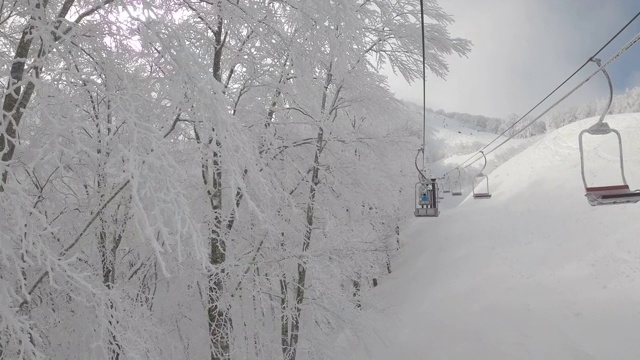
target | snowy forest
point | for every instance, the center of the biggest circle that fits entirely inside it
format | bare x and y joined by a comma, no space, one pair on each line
191,179
626,102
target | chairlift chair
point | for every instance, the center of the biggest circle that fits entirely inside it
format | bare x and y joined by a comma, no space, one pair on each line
457,189
610,194
446,185
456,186
427,199
441,192
481,178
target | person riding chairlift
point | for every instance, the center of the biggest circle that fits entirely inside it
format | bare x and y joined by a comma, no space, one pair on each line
425,197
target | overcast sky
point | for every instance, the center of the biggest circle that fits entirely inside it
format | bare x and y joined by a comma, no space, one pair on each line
522,49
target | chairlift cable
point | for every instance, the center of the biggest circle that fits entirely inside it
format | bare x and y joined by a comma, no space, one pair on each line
546,97
564,82
427,196
600,67
424,96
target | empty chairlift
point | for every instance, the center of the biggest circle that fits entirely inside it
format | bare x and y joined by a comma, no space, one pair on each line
427,199
482,181
446,184
456,186
618,193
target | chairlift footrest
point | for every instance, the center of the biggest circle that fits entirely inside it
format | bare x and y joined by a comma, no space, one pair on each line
482,196
611,195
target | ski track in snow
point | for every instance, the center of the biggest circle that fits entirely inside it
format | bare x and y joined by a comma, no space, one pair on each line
533,273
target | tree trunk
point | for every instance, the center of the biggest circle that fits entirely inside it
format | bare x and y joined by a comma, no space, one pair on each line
217,313
18,95
219,44
218,316
306,242
15,100
107,253
284,317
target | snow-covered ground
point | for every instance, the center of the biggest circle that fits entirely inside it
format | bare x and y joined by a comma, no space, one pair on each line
532,273
448,138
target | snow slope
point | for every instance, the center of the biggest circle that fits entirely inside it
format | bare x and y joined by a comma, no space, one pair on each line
447,136
533,273
450,142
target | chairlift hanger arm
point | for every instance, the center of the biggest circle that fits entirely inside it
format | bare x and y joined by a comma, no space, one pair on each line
606,75
485,162
422,177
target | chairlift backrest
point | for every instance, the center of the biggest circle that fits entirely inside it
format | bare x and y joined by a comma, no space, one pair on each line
446,184
456,186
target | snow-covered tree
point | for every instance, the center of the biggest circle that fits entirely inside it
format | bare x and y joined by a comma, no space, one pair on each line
201,179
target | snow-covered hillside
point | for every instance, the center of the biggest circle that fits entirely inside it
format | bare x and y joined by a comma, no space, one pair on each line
451,141
447,137
533,273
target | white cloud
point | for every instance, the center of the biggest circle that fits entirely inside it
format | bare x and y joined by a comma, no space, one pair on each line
634,79
522,50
